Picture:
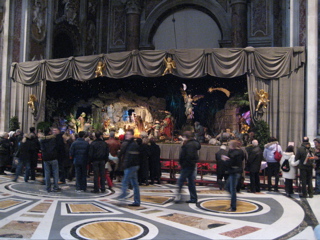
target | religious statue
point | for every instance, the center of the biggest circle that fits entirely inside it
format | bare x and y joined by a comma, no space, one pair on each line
81,121
170,65
189,102
72,123
33,103
168,126
99,69
262,97
156,128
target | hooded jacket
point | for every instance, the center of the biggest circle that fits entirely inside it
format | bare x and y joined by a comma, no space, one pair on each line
292,163
269,149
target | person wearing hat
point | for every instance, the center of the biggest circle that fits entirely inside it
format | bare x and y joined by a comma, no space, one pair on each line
305,154
317,167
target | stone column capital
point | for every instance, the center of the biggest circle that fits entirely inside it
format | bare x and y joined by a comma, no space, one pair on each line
132,6
233,2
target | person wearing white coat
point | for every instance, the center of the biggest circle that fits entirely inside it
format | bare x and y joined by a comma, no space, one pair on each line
291,174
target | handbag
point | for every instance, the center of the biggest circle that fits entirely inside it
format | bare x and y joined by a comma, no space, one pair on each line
277,155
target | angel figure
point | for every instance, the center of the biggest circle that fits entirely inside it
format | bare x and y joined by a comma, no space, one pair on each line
99,69
262,97
189,101
170,65
33,103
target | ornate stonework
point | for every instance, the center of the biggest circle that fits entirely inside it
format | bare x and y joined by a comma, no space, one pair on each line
259,18
68,10
118,27
150,6
17,31
91,38
38,26
302,22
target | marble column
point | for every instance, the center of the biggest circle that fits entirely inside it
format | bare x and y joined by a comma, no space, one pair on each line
133,12
239,34
6,63
311,124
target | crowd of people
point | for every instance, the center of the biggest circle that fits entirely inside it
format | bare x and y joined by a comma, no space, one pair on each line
136,161
68,156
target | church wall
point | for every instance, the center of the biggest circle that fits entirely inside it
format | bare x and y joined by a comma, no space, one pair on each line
1,45
260,23
117,30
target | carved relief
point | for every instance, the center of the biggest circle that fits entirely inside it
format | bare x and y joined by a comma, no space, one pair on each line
38,26
68,10
259,18
92,7
302,22
133,6
118,36
91,38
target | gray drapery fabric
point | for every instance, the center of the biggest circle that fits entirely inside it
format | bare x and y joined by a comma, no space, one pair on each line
279,71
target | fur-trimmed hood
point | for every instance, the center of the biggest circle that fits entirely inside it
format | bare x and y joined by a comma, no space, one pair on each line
271,145
47,137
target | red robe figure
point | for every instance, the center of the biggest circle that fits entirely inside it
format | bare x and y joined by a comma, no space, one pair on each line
168,126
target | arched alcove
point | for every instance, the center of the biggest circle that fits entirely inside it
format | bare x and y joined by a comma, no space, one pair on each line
211,8
187,28
63,46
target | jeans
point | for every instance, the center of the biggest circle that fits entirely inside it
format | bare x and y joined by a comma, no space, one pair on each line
131,175
81,176
188,173
19,168
99,172
231,187
51,167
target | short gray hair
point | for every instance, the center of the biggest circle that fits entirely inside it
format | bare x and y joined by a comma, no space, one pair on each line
255,142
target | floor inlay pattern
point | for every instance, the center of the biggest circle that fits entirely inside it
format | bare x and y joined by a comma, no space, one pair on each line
196,222
26,212
239,232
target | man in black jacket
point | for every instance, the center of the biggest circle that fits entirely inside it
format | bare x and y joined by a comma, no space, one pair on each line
221,167
253,165
98,154
305,154
49,151
131,157
188,159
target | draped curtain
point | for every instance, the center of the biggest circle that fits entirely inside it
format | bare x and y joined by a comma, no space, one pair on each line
279,71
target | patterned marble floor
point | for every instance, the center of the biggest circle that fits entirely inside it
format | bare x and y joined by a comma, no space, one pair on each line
28,211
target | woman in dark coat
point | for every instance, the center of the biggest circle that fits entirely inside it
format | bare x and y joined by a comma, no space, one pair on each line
27,149
154,162
4,151
253,165
143,173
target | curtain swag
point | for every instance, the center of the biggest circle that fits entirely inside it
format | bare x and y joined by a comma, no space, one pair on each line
265,63
279,71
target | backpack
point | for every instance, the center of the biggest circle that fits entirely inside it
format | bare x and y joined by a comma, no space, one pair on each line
285,167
